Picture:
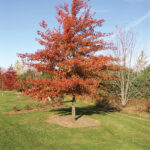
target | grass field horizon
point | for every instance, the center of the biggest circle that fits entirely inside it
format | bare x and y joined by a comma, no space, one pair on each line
30,131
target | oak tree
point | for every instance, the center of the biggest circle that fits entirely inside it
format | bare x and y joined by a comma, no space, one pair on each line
71,55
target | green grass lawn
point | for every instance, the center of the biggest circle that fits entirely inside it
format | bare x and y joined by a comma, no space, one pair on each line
29,131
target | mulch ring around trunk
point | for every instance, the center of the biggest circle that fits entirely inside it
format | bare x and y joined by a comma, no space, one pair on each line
67,121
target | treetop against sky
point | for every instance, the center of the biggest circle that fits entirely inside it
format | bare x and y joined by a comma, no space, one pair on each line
20,21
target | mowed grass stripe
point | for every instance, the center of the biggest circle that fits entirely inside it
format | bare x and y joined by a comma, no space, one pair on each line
29,131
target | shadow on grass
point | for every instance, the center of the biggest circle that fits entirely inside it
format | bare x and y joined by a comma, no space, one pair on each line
100,108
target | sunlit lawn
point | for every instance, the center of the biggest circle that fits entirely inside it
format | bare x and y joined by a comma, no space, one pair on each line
29,131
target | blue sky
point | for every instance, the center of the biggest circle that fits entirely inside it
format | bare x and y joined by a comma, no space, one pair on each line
19,21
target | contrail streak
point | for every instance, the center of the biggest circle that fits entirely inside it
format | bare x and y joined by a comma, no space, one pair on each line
138,21
134,23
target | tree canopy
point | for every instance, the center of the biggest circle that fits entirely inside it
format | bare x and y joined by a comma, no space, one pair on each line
71,54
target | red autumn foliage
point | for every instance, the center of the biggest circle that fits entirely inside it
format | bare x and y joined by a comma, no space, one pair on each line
70,54
10,78
21,83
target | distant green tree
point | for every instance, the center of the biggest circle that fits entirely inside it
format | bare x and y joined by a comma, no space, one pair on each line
141,84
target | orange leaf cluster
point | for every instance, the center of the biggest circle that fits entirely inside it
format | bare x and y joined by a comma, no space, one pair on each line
70,54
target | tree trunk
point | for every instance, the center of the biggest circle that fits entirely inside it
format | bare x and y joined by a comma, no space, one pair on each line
74,108
123,102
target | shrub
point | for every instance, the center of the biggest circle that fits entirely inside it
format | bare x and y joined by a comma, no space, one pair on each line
27,107
15,108
47,102
106,106
39,106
